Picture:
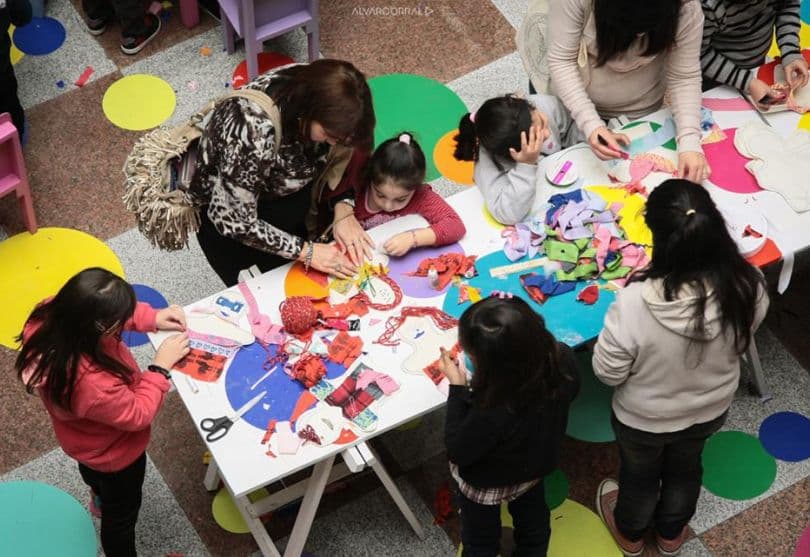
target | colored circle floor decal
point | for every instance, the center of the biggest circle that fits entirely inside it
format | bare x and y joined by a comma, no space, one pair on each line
786,436
556,488
42,36
153,298
16,53
458,171
227,515
418,287
803,545
36,266
267,61
589,414
300,283
406,102
728,166
138,102
736,466
27,509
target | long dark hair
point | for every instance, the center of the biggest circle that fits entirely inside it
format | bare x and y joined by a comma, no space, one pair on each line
331,92
691,246
619,22
497,126
399,159
516,359
92,304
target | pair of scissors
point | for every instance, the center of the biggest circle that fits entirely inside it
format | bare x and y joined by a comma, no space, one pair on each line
218,427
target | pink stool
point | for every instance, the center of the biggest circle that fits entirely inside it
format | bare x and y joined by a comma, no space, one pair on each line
13,177
189,12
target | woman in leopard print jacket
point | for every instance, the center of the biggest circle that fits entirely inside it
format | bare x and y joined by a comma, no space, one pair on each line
257,194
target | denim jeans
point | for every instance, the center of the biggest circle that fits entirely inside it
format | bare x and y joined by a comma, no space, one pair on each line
659,477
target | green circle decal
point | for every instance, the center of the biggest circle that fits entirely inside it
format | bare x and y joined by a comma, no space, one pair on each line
736,466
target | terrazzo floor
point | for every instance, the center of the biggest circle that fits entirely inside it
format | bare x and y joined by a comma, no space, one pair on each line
74,157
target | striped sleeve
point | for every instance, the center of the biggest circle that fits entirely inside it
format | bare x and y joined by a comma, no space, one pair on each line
714,64
788,24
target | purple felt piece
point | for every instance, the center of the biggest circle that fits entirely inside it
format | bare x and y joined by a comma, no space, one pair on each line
418,287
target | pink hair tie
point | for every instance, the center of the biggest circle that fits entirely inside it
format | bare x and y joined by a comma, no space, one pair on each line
472,116
405,138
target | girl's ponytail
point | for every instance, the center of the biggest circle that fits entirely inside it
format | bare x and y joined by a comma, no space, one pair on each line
466,140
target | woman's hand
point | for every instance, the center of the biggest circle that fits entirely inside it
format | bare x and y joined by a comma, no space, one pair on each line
758,90
692,166
172,318
172,350
529,146
327,258
605,143
449,367
350,236
400,244
797,74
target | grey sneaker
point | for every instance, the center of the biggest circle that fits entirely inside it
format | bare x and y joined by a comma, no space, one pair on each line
133,45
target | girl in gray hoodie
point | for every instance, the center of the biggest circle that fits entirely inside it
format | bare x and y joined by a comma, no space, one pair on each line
671,346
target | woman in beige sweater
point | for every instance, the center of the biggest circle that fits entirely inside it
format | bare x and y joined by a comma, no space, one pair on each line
610,58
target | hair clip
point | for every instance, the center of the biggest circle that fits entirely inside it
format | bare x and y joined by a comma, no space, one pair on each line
502,294
405,138
690,212
472,116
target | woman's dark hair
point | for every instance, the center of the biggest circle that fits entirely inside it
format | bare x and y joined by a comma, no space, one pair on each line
331,92
620,22
516,359
691,246
71,326
497,126
399,159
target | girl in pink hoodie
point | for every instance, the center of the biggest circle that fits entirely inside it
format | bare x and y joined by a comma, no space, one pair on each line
100,403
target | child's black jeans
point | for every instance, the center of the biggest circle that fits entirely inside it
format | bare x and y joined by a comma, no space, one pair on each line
481,525
659,477
9,101
120,494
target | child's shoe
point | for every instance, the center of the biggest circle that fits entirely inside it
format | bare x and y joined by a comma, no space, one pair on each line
606,497
133,45
670,548
95,26
95,504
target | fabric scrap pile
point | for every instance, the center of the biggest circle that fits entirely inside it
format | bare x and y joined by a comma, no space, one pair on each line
447,266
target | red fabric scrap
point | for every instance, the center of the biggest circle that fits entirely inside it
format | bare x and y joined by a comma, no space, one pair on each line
434,372
447,265
271,428
345,349
589,295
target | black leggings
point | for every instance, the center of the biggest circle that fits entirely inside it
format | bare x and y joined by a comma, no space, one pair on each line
120,494
228,256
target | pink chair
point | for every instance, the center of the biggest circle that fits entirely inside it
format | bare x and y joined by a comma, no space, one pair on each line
13,177
259,20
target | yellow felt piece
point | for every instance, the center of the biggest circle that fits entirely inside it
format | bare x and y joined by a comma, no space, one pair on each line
227,515
138,102
36,266
16,53
631,215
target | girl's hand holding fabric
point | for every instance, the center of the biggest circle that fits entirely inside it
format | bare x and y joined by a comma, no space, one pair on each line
399,244
172,318
449,367
605,143
529,146
692,166
328,259
797,73
349,233
758,90
172,350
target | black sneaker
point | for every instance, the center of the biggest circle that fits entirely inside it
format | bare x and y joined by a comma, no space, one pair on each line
96,26
133,45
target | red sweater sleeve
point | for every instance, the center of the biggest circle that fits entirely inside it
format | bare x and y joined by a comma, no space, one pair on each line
117,405
143,319
442,218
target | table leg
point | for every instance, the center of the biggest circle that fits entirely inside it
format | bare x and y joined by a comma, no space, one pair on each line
752,355
374,461
258,530
211,480
306,514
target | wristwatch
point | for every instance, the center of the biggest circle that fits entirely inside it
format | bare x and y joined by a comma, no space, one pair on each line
161,370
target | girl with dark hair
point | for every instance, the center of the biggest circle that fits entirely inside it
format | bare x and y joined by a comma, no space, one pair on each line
394,186
503,432
100,403
671,346
265,204
611,58
506,137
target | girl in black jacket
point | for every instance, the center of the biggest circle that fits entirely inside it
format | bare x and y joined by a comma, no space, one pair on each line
503,432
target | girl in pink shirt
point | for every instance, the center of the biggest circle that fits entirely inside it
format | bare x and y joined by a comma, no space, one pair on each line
395,187
100,403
